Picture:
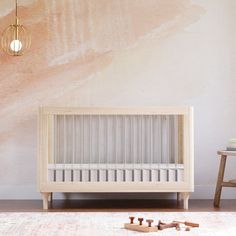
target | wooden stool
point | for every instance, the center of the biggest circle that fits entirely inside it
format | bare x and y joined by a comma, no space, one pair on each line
220,181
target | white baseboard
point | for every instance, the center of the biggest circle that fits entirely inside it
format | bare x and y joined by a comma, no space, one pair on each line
26,192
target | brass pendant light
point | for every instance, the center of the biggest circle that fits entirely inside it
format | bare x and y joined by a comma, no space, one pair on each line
16,39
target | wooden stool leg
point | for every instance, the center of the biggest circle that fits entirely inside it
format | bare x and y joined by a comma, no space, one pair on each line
220,180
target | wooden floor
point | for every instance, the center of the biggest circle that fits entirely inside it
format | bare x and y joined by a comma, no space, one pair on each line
114,205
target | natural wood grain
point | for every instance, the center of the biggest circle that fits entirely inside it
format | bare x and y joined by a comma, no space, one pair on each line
227,153
220,180
228,184
140,228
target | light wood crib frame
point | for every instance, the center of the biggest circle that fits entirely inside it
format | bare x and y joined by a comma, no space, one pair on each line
115,150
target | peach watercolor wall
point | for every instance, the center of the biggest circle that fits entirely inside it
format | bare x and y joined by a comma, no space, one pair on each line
119,53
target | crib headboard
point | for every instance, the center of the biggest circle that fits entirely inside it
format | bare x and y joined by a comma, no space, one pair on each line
115,149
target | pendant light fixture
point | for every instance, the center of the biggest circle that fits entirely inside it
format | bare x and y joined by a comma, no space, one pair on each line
16,39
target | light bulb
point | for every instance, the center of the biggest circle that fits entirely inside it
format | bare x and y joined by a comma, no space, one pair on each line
16,45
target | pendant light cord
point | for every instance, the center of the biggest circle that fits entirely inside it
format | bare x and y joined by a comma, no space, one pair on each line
16,24
16,10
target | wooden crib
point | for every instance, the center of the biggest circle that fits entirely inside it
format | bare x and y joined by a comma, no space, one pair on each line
115,150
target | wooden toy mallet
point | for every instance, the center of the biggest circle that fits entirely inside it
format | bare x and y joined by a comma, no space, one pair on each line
149,221
131,219
140,221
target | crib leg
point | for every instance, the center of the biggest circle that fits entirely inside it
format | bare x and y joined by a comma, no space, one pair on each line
178,197
50,197
185,197
45,200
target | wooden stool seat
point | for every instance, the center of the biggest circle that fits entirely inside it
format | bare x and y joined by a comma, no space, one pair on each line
233,181
220,180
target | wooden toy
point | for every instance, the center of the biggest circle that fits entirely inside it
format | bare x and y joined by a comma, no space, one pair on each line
187,229
140,221
149,222
162,225
178,228
131,219
191,224
140,227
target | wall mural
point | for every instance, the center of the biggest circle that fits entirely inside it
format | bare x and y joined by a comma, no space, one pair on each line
73,43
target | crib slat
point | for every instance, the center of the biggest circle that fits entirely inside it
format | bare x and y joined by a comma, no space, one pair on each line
107,147
128,175
98,172
90,147
68,176
154,174
111,175
145,175
151,147
124,147
73,143
120,175
163,175
172,177
176,142
76,175
102,175
93,175
160,139
59,176
85,175
168,149
64,140
180,173
51,175
137,175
